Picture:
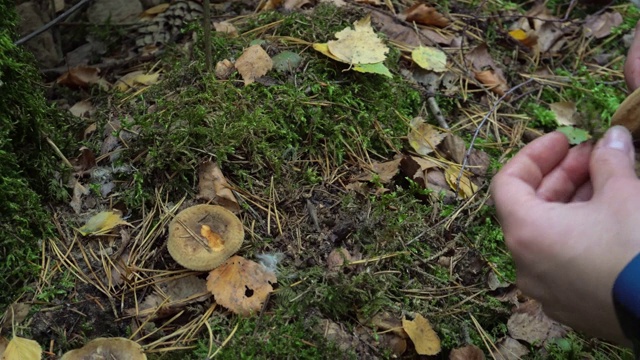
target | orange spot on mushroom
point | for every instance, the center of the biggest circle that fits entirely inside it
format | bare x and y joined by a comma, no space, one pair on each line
213,238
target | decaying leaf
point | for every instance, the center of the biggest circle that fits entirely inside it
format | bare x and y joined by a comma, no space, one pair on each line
172,296
486,71
136,78
454,148
430,58
424,338
600,26
529,323
382,171
424,137
469,352
241,285
214,240
539,29
107,348
336,259
79,191
14,314
253,64
333,332
226,27
464,186
492,80
82,77
102,223
22,349
564,111
426,15
212,186
359,45
509,348
224,69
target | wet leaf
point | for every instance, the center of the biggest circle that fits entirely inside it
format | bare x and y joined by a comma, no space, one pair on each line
425,340
564,112
213,186
424,137
102,223
241,285
22,349
425,15
359,45
253,64
575,135
430,58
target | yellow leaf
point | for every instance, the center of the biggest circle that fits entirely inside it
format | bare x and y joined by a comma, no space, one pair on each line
102,223
430,58
135,78
424,137
158,9
466,188
420,332
518,34
359,45
324,49
22,349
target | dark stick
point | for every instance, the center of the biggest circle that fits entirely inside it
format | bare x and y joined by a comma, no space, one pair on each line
53,22
207,33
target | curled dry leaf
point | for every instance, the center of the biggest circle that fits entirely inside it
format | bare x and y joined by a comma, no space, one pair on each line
493,80
469,352
212,186
241,285
224,69
425,15
253,64
424,338
82,77
424,137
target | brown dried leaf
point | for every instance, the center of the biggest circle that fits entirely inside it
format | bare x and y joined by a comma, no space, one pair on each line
172,296
548,35
370,2
270,5
241,285
212,186
509,349
81,77
82,109
336,259
296,4
493,80
253,63
424,338
425,15
85,161
469,352
529,323
564,111
454,148
478,162
600,26
424,137
401,33
153,11
78,191
226,27
15,314
385,171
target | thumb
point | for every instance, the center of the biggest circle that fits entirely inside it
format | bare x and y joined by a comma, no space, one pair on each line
613,157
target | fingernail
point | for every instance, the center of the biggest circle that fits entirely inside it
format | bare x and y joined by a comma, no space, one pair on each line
617,137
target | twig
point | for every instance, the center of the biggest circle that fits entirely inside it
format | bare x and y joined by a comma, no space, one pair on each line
53,22
482,122
206,26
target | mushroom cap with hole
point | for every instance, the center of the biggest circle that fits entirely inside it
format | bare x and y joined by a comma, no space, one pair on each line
208,223
107,348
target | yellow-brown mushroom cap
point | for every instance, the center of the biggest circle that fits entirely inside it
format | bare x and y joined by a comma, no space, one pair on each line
214,234
107,348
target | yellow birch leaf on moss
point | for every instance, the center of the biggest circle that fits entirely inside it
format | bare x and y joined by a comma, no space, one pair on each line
324,49
422,335
424,137
102,223
377,68
430,58
518,34
466,187
22,349
359,45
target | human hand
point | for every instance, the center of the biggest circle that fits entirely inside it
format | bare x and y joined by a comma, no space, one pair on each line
571,219
632,64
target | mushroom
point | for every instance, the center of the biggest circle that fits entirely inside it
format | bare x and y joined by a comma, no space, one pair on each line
202,237
107,348
628,114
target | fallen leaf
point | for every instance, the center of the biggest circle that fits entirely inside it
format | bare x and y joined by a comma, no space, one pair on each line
102,223
153,11
548,36
600,26
430,58
575,135
425,15
172,296
478,162
226,27
527,38
334,333
360,45
402,33
469,352
529,323
253,63
424,137
296,4
82,109
58,5
3,346
454,148
377,68
270,5
241,285
382,171
564,111
22,349
107,348
466,187
85,161
480,58
212,186
136,78
82,77
224,69
425,340
509,349
14,314
385,321
493,81
286,61
79,191
370,2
